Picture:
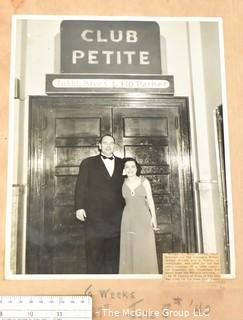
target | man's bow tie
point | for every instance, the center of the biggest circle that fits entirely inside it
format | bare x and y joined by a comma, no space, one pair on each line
104,157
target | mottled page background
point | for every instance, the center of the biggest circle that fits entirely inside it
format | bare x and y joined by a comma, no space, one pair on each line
224,297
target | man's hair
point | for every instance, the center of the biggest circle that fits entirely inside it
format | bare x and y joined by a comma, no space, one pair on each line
106,135
139,168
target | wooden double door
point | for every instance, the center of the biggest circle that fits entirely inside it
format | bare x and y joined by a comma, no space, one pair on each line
65,130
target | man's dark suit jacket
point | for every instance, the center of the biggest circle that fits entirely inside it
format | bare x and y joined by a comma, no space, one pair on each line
100,195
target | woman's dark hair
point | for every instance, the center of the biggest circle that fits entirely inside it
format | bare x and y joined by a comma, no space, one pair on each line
139,168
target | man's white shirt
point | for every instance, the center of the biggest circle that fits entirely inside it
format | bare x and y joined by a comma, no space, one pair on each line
110,165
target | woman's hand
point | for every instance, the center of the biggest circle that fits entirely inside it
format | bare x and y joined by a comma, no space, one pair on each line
154,224
81,214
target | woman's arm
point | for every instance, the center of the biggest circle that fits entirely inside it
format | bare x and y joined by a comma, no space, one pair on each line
151,205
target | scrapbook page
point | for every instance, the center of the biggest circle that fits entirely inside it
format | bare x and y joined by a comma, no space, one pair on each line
118,181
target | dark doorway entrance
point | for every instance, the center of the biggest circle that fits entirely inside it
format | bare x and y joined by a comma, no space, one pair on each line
65,130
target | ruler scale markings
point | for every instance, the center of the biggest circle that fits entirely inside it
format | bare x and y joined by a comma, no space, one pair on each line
45,307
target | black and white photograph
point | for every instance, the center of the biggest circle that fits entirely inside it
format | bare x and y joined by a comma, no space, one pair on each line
118,148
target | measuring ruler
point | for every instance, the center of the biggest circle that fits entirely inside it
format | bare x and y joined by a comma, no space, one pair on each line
45,308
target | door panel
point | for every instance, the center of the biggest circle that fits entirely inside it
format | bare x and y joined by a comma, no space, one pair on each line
68,133
80,127
159,152
145,127
71,123
65,130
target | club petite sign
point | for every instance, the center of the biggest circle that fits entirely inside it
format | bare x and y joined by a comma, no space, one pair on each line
125,47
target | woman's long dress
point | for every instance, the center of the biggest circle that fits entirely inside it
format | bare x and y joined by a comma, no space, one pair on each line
137,248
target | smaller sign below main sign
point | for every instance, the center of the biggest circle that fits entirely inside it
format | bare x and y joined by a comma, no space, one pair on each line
73,84
127,47
111,83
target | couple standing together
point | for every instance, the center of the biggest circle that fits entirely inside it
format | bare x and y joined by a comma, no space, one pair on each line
118,212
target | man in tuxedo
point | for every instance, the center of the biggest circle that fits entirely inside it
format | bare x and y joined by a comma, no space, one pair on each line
99,203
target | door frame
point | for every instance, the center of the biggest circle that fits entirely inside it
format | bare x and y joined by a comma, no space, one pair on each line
35,251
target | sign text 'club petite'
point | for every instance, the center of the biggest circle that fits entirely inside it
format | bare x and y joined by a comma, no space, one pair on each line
118,47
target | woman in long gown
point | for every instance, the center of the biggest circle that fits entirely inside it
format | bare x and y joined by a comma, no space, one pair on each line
137,247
